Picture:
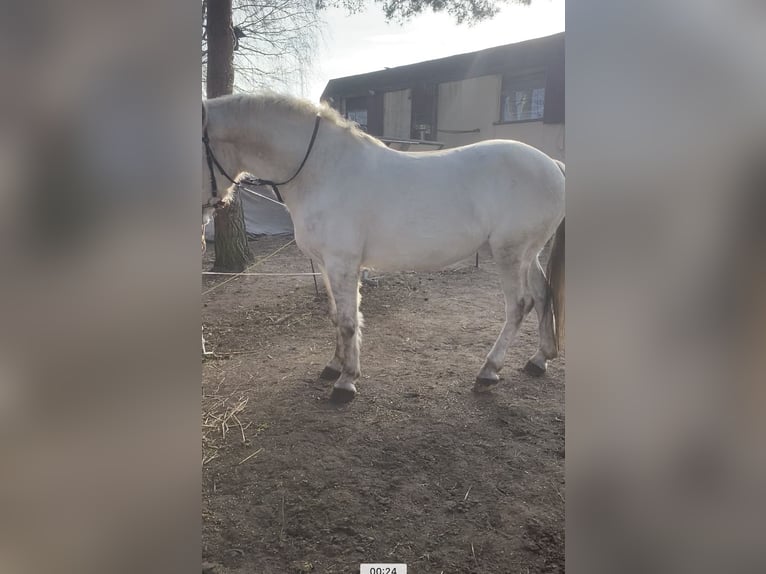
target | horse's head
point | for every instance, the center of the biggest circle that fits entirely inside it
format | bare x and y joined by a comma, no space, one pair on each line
216,191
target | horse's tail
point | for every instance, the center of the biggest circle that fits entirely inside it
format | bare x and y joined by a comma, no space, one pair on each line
555,273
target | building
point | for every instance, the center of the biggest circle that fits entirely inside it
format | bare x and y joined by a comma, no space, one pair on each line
514,91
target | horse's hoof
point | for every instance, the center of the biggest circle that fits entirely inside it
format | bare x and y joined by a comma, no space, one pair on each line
534,369
483,385
342,396
486,382
329,374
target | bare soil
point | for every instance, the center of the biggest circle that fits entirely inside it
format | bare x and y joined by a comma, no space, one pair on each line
418,469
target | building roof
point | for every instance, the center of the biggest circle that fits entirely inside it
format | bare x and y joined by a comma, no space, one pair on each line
545,52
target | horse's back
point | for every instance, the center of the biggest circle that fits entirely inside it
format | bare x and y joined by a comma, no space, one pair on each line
432,209
508,162
502,182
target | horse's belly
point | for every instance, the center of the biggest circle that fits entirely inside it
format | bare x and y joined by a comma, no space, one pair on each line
420,253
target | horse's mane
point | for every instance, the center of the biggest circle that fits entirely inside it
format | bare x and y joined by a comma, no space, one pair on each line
268,101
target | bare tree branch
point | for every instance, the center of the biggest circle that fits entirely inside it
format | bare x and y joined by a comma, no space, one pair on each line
276,39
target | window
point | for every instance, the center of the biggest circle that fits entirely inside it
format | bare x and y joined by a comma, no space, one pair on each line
356,111
423,123
523,98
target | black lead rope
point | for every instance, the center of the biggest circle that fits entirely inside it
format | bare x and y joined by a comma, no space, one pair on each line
212,160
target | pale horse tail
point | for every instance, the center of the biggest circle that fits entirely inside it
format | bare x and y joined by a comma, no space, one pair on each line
555,273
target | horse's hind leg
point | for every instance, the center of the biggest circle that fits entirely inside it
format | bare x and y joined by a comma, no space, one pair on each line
517,304
332,371
538,286
344,282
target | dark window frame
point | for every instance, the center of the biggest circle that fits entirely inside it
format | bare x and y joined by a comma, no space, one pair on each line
528,81
357,104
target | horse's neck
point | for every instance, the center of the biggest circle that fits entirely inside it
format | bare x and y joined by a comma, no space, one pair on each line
272,148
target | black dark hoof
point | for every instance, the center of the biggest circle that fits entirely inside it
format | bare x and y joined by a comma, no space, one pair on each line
342,396
487,382
534,370
483,385
329,374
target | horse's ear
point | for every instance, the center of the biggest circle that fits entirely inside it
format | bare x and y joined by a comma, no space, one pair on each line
204,115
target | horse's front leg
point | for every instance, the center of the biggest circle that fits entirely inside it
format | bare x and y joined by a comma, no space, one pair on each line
344,282
333,369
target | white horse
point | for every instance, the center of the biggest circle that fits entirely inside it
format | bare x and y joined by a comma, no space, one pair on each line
356,203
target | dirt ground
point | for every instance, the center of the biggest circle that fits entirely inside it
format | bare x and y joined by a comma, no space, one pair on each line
418,469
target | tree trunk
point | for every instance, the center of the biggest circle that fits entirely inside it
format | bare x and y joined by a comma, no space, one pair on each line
232,253
220,48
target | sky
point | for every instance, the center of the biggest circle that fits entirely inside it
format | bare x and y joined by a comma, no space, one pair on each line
364,42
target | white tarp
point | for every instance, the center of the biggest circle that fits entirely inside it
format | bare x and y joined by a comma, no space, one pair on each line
262,217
